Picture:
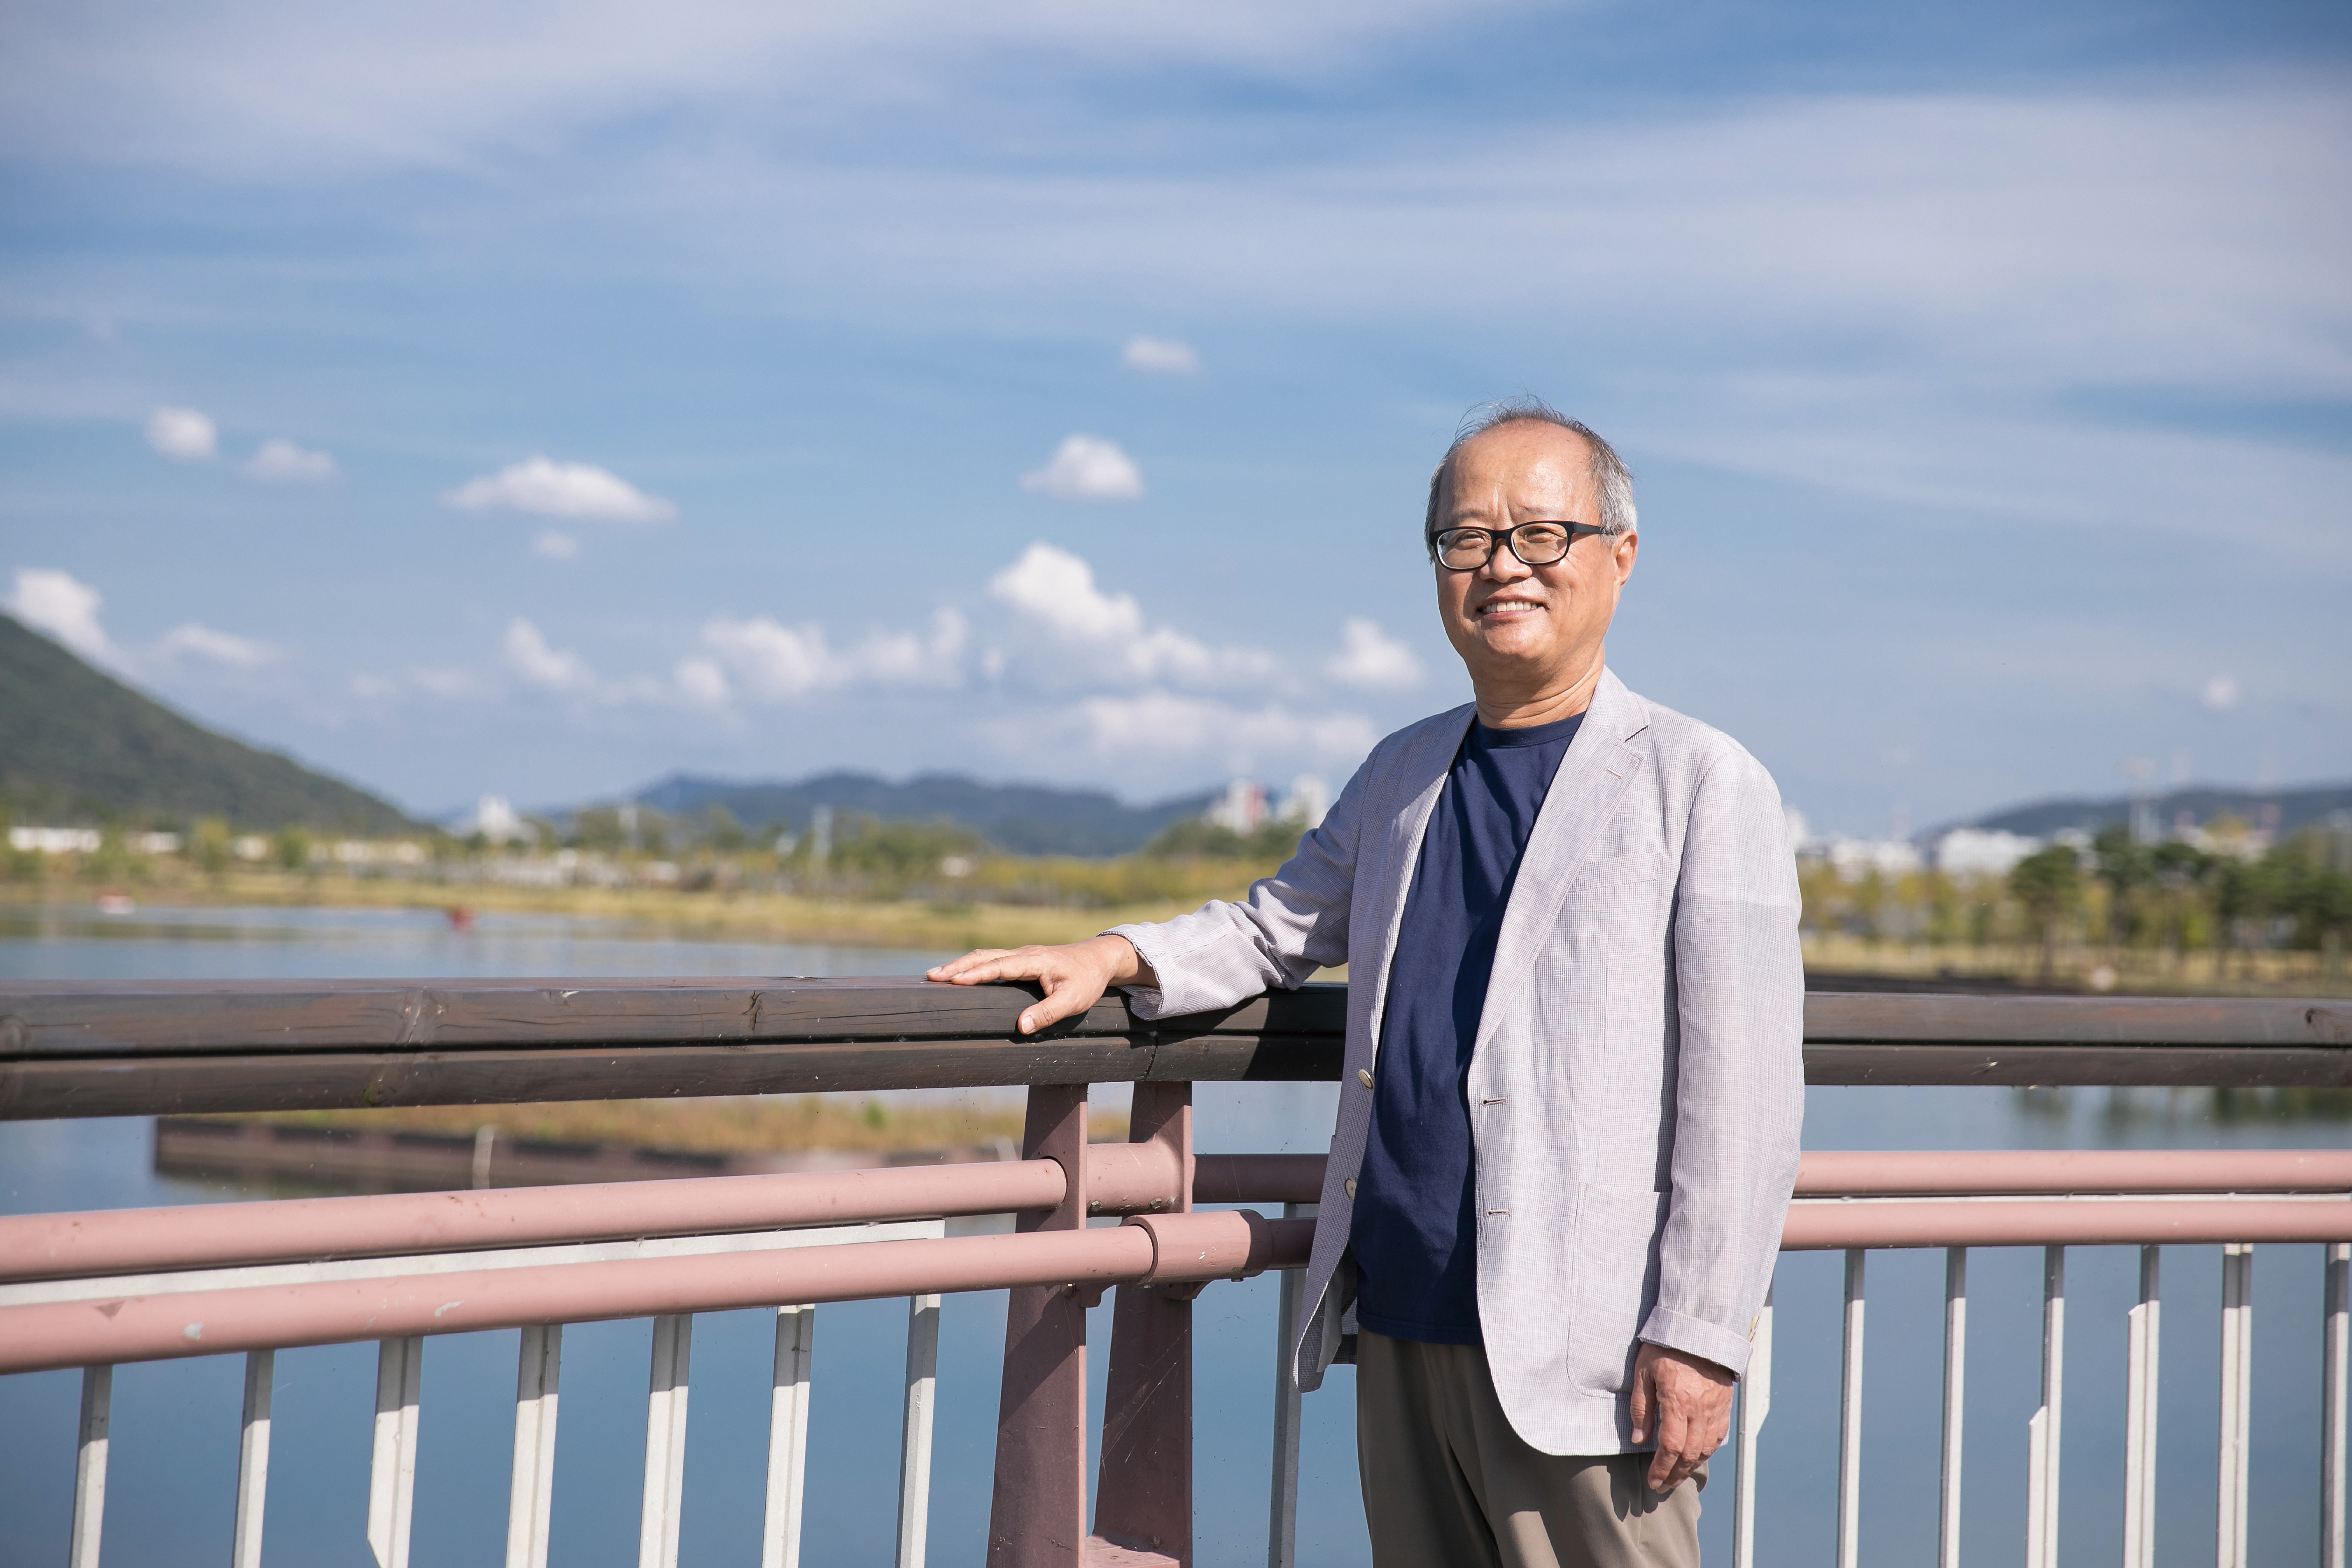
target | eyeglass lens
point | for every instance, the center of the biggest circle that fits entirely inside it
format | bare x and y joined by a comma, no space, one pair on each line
1535,543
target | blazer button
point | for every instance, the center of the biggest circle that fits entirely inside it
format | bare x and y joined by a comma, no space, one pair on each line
1350,1184
1365,1074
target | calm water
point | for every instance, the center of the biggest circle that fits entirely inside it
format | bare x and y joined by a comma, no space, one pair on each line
175,1436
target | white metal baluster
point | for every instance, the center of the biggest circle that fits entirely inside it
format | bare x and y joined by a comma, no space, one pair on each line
788,1408
2336,1334
253,1460
1282,1514
89,1466
391,1469
1849,1526
1755,1404
539,1368
2237,1365
915,1433
2043,1431
1955,1373
2140,1418
666,1442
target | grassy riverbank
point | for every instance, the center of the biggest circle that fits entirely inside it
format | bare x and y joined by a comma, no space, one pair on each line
737,1124
713,914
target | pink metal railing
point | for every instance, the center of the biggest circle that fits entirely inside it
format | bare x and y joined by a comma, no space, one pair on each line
97,1289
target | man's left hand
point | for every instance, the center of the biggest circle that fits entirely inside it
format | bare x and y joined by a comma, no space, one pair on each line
1687,1401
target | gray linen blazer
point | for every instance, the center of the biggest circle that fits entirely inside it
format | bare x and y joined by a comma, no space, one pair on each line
1637,1089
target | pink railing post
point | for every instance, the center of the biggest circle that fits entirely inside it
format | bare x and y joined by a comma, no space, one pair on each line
1143,1495
1037,1515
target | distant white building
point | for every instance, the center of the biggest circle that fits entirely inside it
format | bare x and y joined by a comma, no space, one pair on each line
494,818
1240,809
1309,802
1980,852
1855,859
55,840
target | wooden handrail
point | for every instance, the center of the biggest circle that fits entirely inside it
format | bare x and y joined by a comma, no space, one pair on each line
147,1048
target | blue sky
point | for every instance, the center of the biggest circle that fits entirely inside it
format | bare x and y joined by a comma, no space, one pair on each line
588,391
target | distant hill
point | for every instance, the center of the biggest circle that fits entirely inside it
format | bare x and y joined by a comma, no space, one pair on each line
74,741
1027,819
2298,808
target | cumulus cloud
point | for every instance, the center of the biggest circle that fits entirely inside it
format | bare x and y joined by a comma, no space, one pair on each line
701,682
552,545
182,433
541,485
1054,592
1239,737
218,647
60,605
771,662
529,656
283,462
2220,693
440,681
1371,660
1163,356
1087,468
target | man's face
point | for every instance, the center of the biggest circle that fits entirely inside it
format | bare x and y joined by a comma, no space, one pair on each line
1525,631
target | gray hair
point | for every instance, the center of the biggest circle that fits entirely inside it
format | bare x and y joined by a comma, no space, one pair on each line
1612,481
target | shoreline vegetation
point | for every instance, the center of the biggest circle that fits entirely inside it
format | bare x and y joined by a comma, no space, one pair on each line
1915,930
733,1124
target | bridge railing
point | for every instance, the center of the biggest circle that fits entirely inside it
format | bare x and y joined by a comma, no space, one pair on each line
98,1290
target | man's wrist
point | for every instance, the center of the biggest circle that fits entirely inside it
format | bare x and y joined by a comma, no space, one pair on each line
1123,964
1713,1369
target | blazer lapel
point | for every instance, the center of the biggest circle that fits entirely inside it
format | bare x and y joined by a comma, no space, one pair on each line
1419,779
1584,793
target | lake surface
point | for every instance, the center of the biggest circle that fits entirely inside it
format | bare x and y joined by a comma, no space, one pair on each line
175,1428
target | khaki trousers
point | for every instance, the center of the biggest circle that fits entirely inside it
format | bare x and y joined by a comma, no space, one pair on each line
1447,1483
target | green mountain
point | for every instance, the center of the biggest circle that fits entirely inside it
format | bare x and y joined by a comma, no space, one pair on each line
76,743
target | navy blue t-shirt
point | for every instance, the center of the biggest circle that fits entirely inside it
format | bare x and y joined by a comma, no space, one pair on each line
1415,1238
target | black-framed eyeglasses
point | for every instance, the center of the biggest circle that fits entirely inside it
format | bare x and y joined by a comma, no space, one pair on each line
1535,543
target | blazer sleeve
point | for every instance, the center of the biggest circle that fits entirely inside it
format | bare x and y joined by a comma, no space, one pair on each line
1740,1092
1288,926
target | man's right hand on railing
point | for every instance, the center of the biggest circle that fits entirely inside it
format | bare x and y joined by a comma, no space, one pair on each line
1075,976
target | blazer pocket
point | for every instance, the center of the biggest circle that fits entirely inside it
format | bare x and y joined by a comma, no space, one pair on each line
1615,1277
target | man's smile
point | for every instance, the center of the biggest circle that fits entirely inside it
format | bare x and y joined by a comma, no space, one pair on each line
1509,605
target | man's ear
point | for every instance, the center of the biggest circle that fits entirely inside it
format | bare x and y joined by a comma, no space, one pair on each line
1624,547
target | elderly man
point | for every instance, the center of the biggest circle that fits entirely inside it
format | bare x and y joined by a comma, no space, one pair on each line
1568,1122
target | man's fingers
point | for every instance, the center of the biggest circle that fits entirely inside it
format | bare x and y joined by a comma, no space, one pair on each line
1645,1376
1671,1464
1065,995
967,968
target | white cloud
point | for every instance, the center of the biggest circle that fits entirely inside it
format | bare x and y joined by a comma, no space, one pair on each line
444,682
540,484
283,462
61,607
552,545
1238,738
771,662
1087,468
1162,355
182,433
438,85
701,682
1055,590
1371,660
529,656
2220,693
220,647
